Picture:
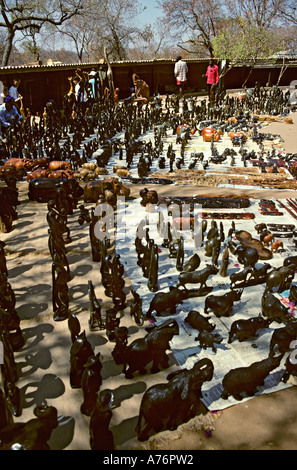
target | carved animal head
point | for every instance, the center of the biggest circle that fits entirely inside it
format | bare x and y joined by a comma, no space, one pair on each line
203,370
234,295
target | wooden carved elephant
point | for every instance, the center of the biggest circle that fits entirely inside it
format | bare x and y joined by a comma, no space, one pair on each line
167,405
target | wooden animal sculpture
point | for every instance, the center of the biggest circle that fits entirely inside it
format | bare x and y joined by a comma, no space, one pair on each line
273,308
246,328
280,279
151,348
197,277
282,338
260,228
221,305
199,322
208,339
290,260
275,246
259,275
32,435
268,239
164,301
101,438
290,367
90,383
80,352
248,379
167,405
240,276
192,264
293,294
84,215
247,256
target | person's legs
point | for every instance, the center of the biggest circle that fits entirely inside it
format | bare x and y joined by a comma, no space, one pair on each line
182,86
208,89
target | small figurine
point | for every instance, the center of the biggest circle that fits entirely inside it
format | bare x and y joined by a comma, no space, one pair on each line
221,305
199,322
248,379
166,406
136,308
60,296
208,339
101,438
80,352
246,328
95,321
112,322
151,348
153,268
163,301
32,435
90,383
73,326
224,263
197,277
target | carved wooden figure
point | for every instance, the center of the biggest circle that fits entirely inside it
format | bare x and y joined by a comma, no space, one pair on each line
101,438
136,307
80,352
96,321
90,383
60,295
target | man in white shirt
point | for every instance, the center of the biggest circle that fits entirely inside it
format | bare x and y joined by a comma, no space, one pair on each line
80,94
180,72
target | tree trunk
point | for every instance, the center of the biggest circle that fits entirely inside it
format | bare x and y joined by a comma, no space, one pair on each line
248,76
7,48
282,71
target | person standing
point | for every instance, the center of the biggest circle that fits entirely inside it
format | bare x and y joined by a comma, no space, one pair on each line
212,76
9,115
14,93
80,95
181,72
93,84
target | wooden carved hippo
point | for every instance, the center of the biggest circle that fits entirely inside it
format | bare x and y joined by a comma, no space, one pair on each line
163,301
247,328
222,305
59,165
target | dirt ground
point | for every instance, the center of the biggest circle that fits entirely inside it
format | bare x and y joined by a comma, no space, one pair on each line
266,422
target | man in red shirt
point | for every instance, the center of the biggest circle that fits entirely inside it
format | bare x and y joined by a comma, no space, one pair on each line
212,75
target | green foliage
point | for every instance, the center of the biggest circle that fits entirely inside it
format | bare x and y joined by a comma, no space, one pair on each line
240,41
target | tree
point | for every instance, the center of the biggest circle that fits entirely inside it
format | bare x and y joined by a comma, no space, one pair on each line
105,23
198,21
241,41
23,16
